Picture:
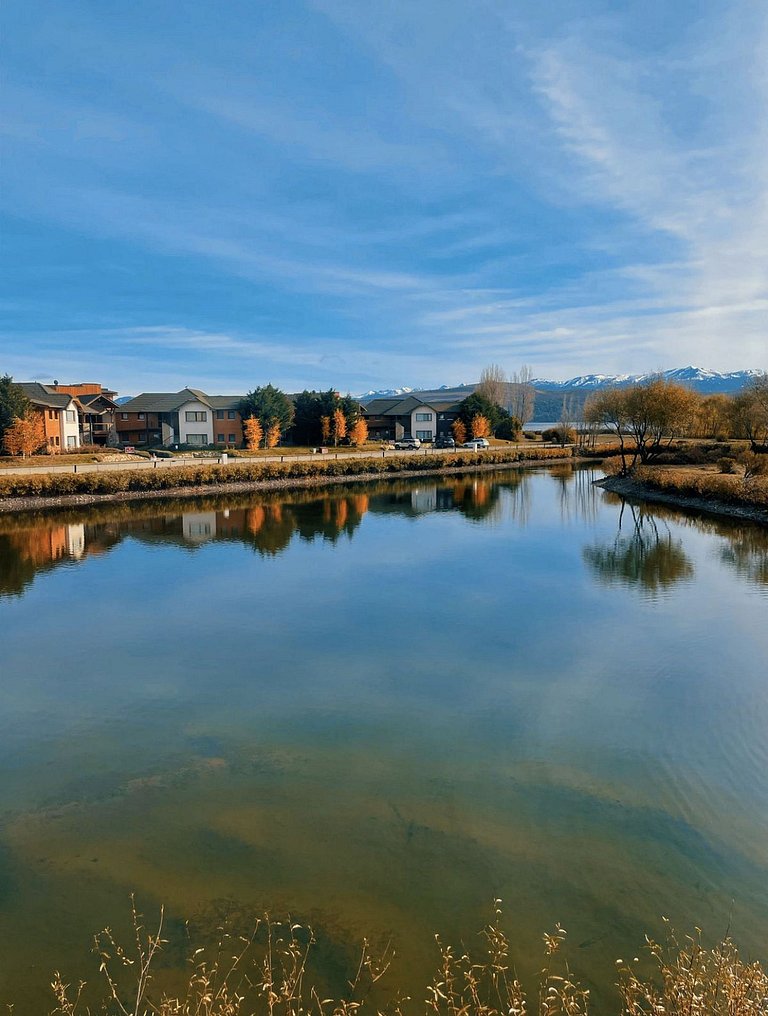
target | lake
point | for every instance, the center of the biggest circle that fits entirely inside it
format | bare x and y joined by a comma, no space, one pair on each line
378,708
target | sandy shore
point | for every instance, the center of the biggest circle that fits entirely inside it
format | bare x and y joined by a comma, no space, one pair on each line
636,491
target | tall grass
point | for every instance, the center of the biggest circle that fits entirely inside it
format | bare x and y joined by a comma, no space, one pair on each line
269,972
751,492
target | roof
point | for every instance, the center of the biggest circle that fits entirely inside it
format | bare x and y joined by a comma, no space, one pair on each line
41,395
164,402
405,406
225,401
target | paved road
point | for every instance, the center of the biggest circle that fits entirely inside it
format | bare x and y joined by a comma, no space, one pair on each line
141,463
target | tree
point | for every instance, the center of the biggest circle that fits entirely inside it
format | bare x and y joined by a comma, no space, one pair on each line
312,406
522,399
479,426
750,413
272,435
270,406
325,429
253,433
459,430
358,435
14,404
651,415
25,435
478,405
493,385
339,425
509,429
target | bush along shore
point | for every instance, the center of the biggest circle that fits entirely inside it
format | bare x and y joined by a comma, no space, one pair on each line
717,493
20,492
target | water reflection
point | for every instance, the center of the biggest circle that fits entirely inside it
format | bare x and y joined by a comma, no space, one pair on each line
31,544
643,553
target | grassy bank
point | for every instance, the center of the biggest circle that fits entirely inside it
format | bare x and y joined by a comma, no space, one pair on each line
59,485
272,970
707,484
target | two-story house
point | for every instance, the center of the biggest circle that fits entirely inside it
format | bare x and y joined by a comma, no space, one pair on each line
394,418
59,412
187,417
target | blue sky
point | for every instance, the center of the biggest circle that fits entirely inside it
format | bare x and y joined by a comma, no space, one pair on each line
364,194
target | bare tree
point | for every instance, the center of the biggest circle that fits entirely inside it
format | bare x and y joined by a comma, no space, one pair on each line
493,385
522,394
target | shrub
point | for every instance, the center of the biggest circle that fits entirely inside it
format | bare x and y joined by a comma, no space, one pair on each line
726,464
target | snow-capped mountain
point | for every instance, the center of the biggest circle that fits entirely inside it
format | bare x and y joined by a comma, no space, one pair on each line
704,381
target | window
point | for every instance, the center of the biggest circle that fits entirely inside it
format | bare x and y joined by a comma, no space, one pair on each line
423,417
220,438
230,414
232,438
51,414
142,416
71,416
219,414
71,441
424,435
123,416
195,416
197,439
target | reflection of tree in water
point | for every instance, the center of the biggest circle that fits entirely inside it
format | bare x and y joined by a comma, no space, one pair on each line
646,556
576,493
476,497
746,550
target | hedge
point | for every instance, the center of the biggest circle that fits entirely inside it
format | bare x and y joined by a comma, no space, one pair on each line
172,478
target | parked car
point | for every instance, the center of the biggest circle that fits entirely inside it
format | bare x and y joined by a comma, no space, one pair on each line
477,443
445,441
407,442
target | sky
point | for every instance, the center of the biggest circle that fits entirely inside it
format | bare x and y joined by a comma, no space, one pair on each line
363,194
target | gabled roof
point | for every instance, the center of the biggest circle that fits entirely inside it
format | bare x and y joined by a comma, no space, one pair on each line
164,402
40,395
405,406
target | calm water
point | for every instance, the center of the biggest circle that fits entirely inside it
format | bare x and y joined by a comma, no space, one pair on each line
379,709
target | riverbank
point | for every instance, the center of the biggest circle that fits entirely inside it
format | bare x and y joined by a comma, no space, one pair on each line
686,494
76,490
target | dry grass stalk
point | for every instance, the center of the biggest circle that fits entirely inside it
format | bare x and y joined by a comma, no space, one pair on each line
267,973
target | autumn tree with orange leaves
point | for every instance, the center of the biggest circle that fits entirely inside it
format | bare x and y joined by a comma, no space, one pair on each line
339,425
25,435
273,435
459,431
358,435
253,433
480,426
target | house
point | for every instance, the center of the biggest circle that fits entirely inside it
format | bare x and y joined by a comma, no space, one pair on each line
187,417
395,418
59,412
96,408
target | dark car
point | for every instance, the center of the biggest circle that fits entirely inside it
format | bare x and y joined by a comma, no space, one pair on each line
445,441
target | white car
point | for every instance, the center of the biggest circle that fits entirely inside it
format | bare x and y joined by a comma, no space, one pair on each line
407,442
477,443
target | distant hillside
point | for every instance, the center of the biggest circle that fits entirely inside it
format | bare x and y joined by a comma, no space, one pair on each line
551,394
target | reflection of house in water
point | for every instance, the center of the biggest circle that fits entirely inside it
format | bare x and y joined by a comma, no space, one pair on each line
75,540
198,526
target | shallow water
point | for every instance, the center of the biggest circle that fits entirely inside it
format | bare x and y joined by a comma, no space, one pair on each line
379,709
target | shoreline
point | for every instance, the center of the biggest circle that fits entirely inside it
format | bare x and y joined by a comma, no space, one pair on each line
20,505
637,491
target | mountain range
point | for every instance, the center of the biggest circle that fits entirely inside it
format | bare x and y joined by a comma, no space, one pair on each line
550,394
706,382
